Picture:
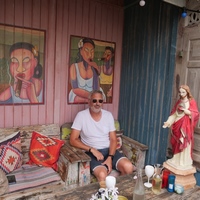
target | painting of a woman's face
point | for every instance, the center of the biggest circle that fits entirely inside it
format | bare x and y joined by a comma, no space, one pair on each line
23,62
107,55
87,52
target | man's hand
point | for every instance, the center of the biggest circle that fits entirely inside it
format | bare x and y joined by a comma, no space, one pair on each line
30,90
108,162
97,154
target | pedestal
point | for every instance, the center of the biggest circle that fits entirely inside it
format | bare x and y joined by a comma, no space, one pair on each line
183,177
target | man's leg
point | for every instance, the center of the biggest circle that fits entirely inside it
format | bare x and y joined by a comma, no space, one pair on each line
125,166
100,172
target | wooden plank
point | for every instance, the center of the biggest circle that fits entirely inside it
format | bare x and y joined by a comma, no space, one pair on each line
2,117
193,5
72,176
85,17
134,151
197,142
74,154
58,48
63,167
84,173
135,143
69,154
50,61
26,131
83,156
26,112
196,156
8,116
197,165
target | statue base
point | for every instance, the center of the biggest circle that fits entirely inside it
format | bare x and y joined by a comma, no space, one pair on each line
183,177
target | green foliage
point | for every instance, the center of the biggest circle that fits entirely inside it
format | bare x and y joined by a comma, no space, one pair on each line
5,76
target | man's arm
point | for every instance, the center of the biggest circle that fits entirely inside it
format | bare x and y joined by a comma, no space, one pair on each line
112,150
113,143
76,142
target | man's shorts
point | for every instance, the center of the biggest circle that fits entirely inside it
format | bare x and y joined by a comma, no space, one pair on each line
94,162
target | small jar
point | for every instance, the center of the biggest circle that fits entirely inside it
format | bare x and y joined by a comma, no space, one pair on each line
171,183
179,189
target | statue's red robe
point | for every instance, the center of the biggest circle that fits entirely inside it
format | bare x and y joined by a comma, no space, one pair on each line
186,124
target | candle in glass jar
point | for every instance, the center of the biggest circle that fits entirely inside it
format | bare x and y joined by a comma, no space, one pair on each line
165,178
171,183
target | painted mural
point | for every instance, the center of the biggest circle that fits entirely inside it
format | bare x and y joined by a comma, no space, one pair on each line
91,68
21,65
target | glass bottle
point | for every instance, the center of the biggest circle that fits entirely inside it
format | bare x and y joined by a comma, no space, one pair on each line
157,179
139,191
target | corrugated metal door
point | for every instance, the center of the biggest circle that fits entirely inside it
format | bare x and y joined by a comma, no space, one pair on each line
148,61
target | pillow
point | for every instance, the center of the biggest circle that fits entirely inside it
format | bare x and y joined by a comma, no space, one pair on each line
117,125
28,176
66,131
119,139
3,182
119,143
44,150
10,152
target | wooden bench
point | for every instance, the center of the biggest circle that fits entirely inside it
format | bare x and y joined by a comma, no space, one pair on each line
73,163
78,161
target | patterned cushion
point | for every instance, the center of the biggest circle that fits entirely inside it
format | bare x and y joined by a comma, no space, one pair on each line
28,176
10,152
119,143
66,131
44,150
119,139
117,125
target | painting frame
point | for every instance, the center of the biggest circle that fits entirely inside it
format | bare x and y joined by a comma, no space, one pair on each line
91,67
22,65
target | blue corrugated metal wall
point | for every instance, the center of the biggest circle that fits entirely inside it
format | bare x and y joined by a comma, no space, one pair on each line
148,62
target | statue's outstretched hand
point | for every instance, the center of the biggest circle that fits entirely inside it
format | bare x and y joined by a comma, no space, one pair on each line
166,124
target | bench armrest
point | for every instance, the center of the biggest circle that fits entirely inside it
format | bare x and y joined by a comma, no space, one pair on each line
70,155
134,151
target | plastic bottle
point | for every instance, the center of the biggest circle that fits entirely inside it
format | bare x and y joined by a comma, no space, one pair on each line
139,191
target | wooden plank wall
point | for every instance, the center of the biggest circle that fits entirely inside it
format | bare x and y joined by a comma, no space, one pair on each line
61,18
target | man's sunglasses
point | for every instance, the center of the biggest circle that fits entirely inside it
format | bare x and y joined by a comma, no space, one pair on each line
99,100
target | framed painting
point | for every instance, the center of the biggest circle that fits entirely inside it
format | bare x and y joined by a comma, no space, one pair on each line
91,67
22,52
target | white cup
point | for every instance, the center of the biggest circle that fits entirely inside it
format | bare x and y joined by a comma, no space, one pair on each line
110,182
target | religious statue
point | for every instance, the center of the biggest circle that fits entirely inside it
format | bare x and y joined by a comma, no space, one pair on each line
182,120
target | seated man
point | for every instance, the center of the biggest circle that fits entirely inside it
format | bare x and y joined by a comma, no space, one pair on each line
96,129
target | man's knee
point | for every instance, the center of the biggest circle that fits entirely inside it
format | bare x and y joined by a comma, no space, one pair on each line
125,166
100,173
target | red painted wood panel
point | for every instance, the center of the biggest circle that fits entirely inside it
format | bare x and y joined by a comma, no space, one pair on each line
60,19
58,56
